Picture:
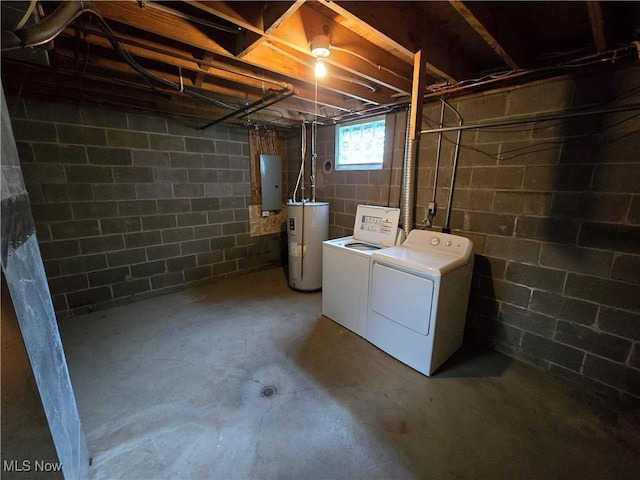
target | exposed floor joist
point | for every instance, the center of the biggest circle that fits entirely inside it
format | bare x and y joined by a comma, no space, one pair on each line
236,51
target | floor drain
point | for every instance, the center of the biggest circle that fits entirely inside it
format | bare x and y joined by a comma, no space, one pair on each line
268,392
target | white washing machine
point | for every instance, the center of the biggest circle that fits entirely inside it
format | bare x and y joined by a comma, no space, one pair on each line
418,296
345,265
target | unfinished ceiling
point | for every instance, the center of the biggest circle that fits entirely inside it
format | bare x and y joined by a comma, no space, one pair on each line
251,63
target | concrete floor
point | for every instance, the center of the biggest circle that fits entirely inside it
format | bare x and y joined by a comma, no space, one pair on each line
171,388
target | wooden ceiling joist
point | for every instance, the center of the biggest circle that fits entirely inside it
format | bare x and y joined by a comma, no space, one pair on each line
195,38
498,32
380,24
236,52
596,18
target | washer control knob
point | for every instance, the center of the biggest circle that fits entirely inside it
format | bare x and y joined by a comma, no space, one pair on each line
435,241
449,243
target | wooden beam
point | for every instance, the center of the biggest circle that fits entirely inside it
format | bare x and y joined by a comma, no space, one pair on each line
200,76
234,77
160,23
379,23
234,12
276,13
298,23
335,81
596,18
178,59
257,19
41,82
417,95
365,60
497,31
241,78
220,83
121,90
166,25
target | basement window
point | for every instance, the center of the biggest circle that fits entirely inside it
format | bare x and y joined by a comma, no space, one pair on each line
360,145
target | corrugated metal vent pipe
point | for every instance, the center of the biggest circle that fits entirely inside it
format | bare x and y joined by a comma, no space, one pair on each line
408,187
47,29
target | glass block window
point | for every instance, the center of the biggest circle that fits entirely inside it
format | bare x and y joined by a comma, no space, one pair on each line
360,145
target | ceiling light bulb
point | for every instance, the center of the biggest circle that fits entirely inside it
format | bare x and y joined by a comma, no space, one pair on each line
321,68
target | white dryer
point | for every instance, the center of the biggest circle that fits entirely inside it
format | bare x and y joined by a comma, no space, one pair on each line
418,296
345,265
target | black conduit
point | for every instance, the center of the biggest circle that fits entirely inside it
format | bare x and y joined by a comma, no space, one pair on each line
152,76
282,94
454,170
438,152
269,99
545,118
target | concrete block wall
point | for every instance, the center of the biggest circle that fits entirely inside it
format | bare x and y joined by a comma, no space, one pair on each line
130,206
553,210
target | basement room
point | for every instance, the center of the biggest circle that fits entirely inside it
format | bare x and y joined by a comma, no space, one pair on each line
314,239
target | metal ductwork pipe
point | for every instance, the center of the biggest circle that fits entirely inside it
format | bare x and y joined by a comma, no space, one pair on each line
53,24
47,29
408,187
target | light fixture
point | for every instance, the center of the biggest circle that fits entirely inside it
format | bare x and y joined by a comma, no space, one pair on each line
321,68
320,50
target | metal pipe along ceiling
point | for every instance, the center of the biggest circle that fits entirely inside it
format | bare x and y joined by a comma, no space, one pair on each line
48,28
52,25
199,62
545,118
267,100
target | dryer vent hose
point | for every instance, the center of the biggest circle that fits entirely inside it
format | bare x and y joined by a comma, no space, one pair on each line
48,28
407,197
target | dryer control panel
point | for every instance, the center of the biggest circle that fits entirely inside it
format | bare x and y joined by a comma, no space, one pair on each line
440,242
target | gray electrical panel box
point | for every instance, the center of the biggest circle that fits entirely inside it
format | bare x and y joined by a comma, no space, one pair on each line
271,180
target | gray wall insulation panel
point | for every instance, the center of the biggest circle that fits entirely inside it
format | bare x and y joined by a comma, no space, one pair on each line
27,282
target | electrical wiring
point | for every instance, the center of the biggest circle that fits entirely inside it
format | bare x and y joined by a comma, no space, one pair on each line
25,18
527,150
199,62
377,66
152,76
354,81
310,65
612,55
545,124
620,122
437,88
303,152
86,53
531,128
73,11
614,140
192,18
626,94
448,89
560,54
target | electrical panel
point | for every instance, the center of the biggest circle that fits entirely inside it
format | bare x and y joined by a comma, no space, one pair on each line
271,181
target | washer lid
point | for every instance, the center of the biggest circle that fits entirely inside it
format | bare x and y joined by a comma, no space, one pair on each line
352,246
376,225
